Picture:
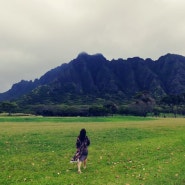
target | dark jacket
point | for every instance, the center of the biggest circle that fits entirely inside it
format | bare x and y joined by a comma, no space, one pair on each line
82,145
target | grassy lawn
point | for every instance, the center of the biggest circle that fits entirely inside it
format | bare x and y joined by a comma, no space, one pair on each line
123,150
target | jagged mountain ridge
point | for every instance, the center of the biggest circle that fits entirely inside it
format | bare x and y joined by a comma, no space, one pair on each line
95,75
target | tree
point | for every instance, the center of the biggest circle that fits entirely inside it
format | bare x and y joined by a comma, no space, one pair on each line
8,107
97,110
111,108
174,102
143,104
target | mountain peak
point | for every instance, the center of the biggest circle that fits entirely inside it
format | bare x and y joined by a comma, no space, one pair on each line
86,55
82,54
170,56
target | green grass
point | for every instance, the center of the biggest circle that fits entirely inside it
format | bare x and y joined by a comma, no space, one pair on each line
70,119
123,150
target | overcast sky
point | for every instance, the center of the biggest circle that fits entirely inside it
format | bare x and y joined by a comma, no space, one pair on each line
39,35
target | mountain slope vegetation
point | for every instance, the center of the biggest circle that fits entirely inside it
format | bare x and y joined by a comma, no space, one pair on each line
92,78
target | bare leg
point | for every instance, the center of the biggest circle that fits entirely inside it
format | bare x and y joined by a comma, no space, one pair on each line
79,166
85,162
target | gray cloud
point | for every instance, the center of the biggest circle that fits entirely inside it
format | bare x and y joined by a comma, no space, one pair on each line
36,36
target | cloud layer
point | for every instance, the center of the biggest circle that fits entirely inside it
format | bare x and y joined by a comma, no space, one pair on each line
36,36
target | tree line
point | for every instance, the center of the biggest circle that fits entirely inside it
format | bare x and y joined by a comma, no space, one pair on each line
141,105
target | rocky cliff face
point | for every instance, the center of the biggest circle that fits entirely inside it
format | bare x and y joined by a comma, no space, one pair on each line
94,75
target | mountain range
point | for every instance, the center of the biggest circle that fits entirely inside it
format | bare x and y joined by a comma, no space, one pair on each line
91,77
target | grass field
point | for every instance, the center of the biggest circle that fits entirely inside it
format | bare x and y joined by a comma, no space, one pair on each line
123,150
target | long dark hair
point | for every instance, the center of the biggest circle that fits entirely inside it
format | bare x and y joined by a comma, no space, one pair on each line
82,135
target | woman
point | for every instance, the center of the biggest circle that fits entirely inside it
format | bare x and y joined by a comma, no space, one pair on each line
82,144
